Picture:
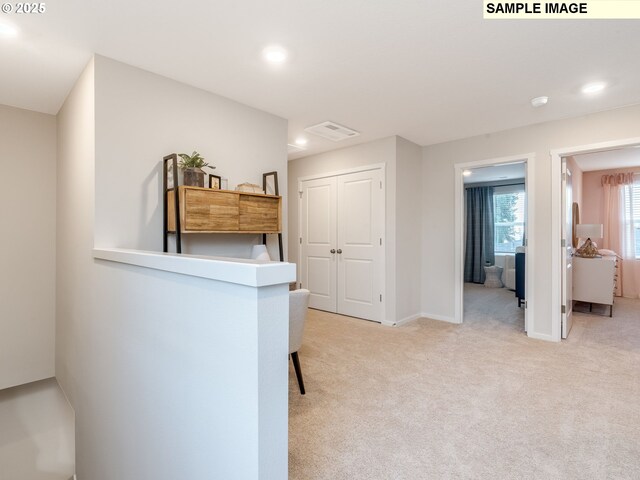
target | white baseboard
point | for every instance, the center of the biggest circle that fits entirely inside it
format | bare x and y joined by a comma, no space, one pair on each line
441,318
541,336
410,318
402,321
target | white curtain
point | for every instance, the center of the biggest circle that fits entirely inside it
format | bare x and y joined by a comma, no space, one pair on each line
619,232
630,265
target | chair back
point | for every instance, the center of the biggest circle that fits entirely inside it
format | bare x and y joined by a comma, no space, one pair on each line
298,304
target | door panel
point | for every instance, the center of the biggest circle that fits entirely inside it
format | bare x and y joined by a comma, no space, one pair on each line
357,212
358,291
567,251
319,211
318,229
360,227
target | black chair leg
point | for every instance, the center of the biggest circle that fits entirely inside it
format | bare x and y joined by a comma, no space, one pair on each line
296,366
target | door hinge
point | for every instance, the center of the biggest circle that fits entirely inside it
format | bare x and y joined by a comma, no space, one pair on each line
564,309
300,240
563,243
300,193
380,184
564,177
380,297
380,240
525,304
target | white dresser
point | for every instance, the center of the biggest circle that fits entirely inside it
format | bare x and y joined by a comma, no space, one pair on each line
594,280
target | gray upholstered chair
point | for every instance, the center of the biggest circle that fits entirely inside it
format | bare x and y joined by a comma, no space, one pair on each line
298,304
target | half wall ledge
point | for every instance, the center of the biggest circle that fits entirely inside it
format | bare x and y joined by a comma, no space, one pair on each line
252,273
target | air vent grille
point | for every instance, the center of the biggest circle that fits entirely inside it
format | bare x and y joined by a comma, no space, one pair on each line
332,131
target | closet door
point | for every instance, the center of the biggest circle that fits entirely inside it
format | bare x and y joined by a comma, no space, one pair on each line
318,240
360,257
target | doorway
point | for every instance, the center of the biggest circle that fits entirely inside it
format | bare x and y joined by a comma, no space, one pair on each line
527,160
562,288
341,234
570,216
606,216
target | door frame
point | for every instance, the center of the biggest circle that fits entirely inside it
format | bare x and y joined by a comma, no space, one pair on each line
556,219
337,173
458,276
566,300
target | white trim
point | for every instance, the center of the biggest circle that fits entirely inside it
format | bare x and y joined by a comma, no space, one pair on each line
364,168
529,158
541,336
337,173
529,259
440,318
556,219
410,318
253,273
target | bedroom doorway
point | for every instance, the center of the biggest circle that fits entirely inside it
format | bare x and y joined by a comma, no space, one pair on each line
606,193
494,242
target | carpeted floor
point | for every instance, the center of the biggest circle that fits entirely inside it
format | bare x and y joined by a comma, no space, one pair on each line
432,400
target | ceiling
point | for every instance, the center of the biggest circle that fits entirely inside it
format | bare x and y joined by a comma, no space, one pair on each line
430,71
495,173
610,159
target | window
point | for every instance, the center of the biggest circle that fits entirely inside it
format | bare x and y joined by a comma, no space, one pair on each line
508,217
631,198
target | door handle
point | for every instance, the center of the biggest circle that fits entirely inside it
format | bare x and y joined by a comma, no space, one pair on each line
333,250
339,250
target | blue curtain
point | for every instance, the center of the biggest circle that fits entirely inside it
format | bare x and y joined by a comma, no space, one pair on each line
479,241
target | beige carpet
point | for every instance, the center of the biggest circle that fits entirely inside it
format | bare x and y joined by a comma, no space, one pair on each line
431,400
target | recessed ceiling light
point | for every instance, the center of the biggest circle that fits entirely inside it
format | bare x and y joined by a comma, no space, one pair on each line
8,30
595,87
539,101
275,54
466,173
301,141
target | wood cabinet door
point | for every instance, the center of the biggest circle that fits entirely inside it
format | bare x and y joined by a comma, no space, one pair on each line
259,214
217,212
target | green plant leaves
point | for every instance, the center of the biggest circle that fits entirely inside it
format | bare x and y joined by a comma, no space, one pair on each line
195,160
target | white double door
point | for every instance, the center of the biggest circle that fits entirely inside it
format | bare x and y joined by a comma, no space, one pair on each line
341,240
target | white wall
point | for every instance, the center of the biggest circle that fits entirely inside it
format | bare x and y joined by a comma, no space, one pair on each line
140,118
438,197
408,229
37,434
163,370
27,246
74,235
187,378
381,151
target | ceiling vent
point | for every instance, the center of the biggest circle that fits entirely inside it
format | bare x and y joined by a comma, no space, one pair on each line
332,131
294,148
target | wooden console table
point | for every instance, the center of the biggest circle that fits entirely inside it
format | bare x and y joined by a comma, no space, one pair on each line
204,210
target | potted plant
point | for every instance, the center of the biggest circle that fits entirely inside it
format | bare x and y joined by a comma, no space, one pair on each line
192,166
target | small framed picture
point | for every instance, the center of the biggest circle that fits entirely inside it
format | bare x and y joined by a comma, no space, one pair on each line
270,183
215,181
170,169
